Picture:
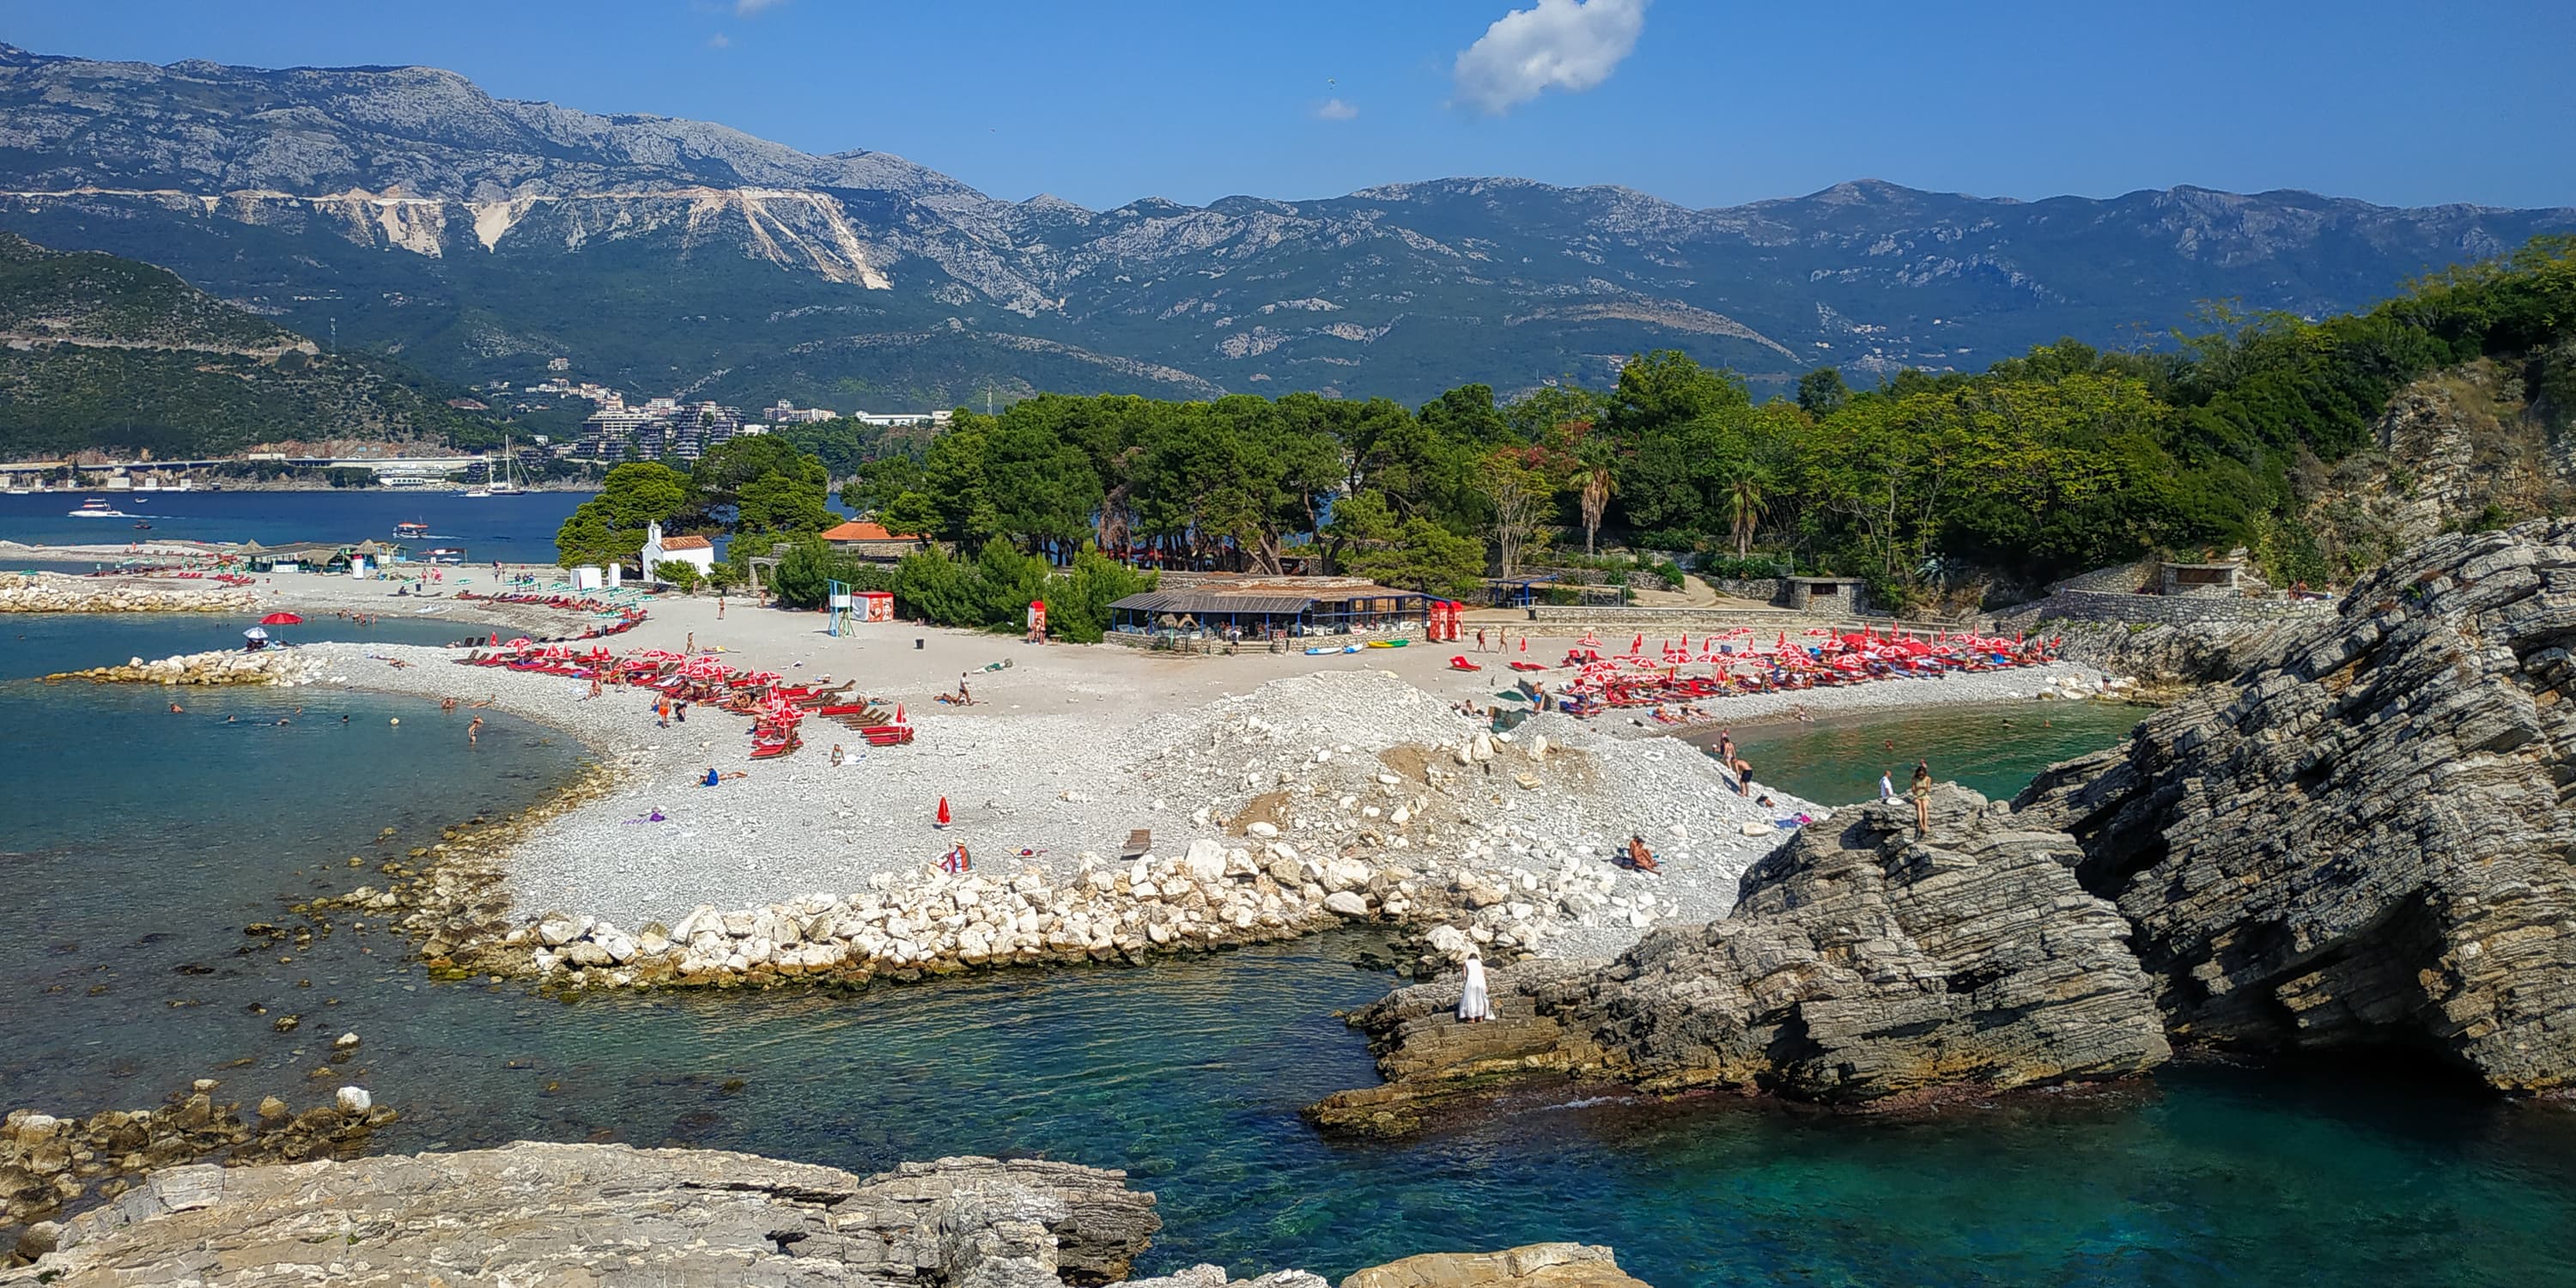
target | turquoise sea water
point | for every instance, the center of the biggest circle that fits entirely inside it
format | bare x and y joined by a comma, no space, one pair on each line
1994,749
136,844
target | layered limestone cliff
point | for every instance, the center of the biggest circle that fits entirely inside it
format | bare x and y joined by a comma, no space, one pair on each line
1861,966
2369,839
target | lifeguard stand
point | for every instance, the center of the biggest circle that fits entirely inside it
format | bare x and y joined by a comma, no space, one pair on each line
840,602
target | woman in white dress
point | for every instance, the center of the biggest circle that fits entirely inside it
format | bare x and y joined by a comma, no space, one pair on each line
1473,1004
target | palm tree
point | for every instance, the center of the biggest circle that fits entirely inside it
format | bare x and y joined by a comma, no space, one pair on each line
1744,507
1599,485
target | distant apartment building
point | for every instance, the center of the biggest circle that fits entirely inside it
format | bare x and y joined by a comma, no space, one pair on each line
659,430
891,420
784,412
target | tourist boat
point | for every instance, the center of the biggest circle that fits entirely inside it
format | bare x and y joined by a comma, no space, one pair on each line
97,509
411,531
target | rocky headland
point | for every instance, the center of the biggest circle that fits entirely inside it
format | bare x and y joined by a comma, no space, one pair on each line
543,1213
2363,841
50,1164
1861,965
52,593
2366,839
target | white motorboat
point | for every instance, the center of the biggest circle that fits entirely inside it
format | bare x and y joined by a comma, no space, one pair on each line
97,509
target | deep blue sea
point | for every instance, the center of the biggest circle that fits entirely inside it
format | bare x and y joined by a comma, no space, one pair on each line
135,844
513,529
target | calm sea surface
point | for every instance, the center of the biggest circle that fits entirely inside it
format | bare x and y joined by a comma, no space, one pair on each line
514,529
135,844
1994,749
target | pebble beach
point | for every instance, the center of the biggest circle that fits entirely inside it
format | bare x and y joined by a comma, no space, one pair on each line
1337,787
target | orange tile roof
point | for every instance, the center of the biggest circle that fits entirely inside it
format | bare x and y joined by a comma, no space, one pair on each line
687,543
861,530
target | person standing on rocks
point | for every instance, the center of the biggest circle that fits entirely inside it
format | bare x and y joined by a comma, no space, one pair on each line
1922,791
1886,785
1474,1005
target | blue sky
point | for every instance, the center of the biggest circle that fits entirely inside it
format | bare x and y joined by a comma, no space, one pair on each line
1698,101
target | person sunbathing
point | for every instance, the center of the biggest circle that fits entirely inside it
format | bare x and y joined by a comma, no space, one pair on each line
1639,857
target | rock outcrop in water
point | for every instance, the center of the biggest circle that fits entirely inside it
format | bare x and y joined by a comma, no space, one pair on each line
48,1164
531,1213
271,666
536,1213
2368,838
1861,966
1537,1265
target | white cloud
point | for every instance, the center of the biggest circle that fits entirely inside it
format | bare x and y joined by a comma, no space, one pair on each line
1334,109
719,40
749,8
1570,45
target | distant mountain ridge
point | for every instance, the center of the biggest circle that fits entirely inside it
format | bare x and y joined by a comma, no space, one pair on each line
479,237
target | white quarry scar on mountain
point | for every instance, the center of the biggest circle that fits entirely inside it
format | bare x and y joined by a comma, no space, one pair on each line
829,245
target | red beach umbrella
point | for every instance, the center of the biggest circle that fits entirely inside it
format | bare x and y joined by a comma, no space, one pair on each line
943,811
281,619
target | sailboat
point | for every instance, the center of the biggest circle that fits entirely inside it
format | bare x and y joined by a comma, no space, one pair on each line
508,483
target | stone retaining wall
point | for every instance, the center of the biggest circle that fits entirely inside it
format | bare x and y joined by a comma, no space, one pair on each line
1761,590
2168,610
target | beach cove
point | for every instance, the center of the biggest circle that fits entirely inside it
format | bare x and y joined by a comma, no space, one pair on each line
1201,1103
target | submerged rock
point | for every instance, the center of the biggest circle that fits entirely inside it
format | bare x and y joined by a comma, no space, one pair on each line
1860,965
2366,838
1536,1265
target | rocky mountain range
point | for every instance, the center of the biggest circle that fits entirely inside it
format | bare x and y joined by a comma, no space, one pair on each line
480,237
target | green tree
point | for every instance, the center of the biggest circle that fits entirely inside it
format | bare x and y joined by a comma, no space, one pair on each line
876,483
786,500
719,476
1413,552
1821,392
609,527
1745,488
910,514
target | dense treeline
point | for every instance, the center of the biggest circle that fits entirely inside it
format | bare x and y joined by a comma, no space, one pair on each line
2062,459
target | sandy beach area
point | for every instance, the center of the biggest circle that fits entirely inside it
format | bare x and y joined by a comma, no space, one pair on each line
1067,748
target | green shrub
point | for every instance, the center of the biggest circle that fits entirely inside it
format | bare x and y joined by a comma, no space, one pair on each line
1748,568
678,572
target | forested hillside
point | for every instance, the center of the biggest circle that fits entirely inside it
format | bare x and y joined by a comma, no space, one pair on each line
103,352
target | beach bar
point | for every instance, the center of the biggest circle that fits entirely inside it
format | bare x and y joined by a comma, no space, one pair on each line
1255,606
